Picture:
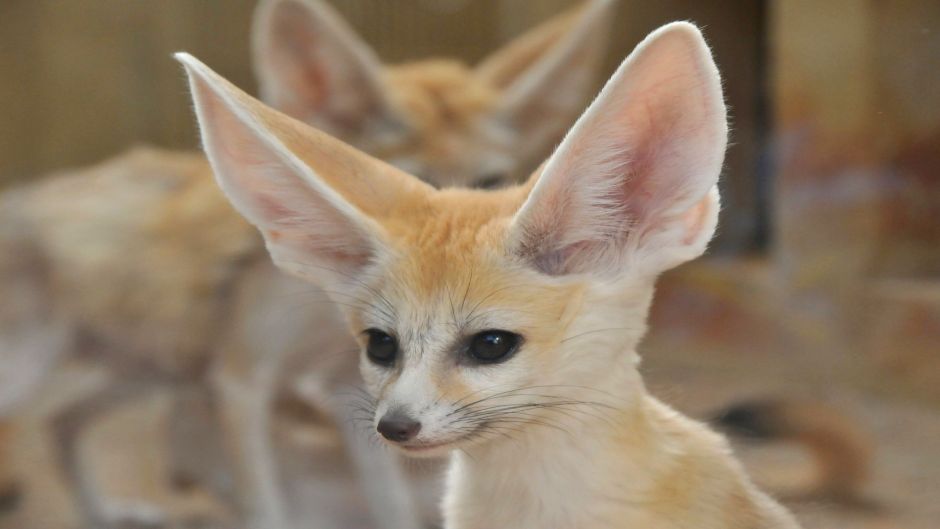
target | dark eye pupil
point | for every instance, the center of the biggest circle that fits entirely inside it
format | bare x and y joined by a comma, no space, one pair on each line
382,347
493,346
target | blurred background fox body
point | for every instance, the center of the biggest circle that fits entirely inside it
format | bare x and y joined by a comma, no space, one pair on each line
188,293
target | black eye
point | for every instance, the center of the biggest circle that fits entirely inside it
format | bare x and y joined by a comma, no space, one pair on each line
490,347
382,347
490,181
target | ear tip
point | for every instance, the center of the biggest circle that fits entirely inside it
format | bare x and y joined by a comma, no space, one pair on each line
687,36
682,40
187,60
680,29
266,10
193,66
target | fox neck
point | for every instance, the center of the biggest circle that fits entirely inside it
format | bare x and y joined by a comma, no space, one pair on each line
562,476
635,463
579,471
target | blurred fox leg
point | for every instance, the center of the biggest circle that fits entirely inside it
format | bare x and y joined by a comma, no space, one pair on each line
196,449
68,427
32,336
245,410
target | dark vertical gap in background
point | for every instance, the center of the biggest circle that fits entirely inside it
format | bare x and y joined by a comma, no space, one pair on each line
21,126
763,116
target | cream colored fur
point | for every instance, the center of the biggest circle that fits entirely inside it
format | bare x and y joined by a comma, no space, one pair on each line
560,434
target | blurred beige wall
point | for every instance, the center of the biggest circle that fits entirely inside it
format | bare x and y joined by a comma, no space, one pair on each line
856,91
81,80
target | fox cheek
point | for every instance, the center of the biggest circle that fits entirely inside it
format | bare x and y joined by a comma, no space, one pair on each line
376,379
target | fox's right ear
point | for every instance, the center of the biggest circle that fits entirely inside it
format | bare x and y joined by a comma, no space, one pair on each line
313,67
633,186
315,200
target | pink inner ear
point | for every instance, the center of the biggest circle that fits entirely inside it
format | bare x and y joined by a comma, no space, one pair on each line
297,59
272,208
694,219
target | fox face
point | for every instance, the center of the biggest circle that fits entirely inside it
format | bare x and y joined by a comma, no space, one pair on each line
483,315
463,318
439,120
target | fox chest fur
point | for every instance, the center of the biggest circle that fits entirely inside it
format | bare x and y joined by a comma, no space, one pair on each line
635,479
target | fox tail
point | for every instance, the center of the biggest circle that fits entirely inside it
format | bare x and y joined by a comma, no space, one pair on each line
841,450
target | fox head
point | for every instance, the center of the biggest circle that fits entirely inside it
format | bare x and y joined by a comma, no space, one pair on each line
439,120
483,312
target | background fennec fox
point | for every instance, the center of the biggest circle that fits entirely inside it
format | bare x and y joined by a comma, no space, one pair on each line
142,260
502,326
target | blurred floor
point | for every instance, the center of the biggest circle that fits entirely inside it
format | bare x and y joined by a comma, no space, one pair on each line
127,448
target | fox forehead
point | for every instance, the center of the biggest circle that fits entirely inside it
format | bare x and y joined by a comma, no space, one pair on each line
440,93
454,223
451,259
450,135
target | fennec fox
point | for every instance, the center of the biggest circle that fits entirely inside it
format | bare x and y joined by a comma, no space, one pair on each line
140,259
501,326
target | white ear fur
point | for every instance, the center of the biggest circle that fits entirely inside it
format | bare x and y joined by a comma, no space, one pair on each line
555,67
634,183
311,65
309,229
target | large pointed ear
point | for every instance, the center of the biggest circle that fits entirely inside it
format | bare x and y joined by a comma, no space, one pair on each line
633,186
317,202
312,66
546,75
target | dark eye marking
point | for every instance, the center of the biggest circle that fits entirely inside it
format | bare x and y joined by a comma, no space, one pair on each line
381,348
490,181
493,346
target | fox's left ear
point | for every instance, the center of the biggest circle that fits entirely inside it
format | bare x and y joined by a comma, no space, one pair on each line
317,202
633,186
547,74
312,66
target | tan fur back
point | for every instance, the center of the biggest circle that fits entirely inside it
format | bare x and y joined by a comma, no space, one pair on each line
137,248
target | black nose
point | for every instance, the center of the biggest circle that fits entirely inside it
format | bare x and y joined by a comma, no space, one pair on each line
398,427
